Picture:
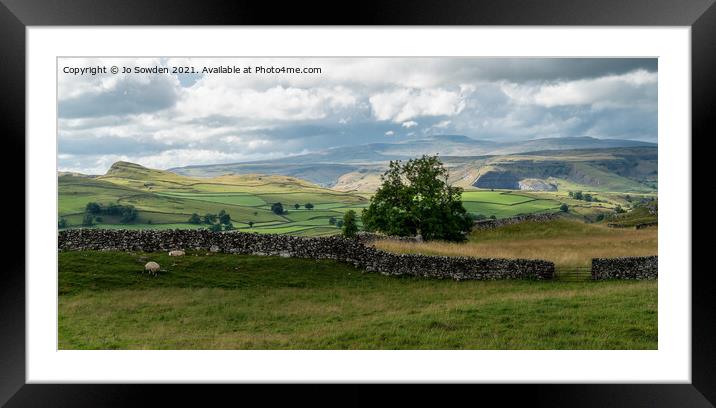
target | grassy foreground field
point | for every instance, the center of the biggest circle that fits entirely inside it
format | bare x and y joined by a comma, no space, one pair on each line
222,301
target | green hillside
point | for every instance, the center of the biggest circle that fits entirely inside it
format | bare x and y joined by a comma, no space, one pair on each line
631,170
167,200
163,199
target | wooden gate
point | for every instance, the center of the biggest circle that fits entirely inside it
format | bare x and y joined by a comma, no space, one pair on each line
573,273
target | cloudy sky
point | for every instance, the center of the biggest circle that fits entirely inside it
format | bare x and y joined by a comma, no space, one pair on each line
171,120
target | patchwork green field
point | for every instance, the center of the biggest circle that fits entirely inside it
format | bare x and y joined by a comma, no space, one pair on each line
506,204
166,200
224,301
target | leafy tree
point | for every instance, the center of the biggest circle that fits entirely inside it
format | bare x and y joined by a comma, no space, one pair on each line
129,214
209,218
492,217
62,223
332,221
215,227
256,213
88,220
577,195
479,217
113,209
277,208
564,207
350,227
93,208
587,197
297,206
600,217
571,193
339,224
619,210
415,198
251,224
229,226
224,218
195,219
308,206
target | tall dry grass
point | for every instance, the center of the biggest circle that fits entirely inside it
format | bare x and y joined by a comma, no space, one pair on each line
574,247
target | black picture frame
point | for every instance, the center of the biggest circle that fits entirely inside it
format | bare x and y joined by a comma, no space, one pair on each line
16,15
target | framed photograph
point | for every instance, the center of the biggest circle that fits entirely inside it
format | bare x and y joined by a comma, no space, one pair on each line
481,194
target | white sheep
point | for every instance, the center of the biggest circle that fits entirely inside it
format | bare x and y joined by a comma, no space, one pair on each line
152,267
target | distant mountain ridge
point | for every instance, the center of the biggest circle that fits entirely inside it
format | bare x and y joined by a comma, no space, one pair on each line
356,167
445,145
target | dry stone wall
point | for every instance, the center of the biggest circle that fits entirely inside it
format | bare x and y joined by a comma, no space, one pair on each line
640,268
491,224
355,252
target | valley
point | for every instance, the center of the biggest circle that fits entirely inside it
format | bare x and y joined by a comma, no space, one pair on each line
537,165
164,203
315,190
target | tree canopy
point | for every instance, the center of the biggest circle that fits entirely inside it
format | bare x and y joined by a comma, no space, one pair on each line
277,208
350,226
127,213
415,198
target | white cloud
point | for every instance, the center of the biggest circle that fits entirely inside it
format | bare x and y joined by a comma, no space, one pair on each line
404,104
633,89
276,103
235,117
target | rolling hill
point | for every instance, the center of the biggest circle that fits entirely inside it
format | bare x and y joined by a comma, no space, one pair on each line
167,200
163,199
541,164
496,185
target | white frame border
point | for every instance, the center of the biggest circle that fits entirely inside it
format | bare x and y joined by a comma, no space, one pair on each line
670,363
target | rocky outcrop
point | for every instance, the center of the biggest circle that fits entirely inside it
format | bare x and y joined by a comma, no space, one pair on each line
534,184
498,179
353,251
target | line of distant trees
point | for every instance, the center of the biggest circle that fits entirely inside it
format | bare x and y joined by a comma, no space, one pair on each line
278,209
578,195
95,211
216,222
